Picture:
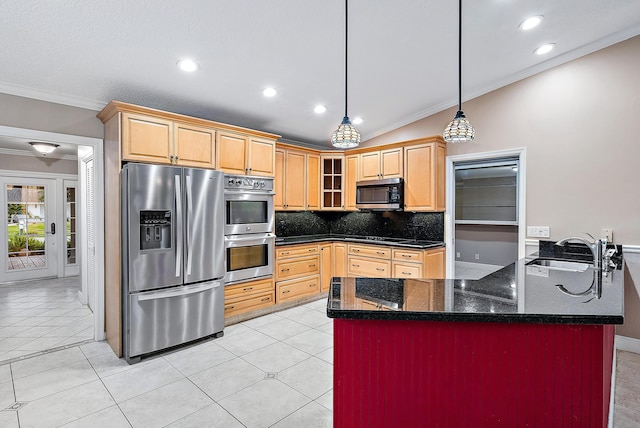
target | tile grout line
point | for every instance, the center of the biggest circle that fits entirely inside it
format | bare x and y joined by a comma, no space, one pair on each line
212,399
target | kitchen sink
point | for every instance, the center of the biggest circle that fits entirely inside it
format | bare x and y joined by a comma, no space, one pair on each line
568,266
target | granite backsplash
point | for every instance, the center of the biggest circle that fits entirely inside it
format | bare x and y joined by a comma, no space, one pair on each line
396,224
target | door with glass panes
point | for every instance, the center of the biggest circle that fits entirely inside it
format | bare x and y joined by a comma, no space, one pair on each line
30,240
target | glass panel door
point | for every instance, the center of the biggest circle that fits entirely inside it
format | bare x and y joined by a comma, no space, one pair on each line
30,248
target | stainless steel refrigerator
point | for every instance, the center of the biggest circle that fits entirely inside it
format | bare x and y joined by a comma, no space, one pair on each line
173,256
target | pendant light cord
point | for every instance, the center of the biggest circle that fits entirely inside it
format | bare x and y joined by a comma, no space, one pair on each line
346,47
460,55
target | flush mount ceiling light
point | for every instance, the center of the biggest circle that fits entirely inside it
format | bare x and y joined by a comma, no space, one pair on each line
532,22
545,49
269,92
188,65
319,109
357,120
346,136
44,148
460,129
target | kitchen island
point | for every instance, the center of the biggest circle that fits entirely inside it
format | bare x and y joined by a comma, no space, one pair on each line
525,346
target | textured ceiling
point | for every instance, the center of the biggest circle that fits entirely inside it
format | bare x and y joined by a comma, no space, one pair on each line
402,55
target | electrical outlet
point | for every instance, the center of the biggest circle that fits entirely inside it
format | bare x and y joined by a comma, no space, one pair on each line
607,233
457,254
538,231
477,256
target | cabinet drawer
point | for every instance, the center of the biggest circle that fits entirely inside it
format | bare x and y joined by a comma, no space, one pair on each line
295,251
404,255
370,251
248,289
250,303
358,266
298,267
293,289
407,270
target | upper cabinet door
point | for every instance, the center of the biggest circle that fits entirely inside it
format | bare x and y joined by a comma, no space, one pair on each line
391,163
232,153
278,181
194,146
146,139
419,186
350,182
261,157
294,183
370,166
313,182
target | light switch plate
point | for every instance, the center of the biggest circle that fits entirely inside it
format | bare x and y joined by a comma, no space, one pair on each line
538,231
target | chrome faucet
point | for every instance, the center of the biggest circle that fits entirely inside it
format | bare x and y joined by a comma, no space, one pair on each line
597,249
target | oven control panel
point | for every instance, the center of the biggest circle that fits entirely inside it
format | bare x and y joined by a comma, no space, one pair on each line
247,182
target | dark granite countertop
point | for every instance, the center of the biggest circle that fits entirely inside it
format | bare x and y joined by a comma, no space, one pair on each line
397,242
517,293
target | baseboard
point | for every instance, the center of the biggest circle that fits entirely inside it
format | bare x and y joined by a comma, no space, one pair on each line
625,343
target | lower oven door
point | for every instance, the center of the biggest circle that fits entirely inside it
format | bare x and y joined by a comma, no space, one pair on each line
248,256
172,316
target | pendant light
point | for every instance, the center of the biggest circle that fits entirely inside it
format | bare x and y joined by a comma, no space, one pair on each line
460,129
346,136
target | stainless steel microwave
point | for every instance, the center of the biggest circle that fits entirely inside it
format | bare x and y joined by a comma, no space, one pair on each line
380,195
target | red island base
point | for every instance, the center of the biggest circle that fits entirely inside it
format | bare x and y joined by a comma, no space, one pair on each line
463,374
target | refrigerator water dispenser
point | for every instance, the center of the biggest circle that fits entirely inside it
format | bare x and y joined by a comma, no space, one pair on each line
155,230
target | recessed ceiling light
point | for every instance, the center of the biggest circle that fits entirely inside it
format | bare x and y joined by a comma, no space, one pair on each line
188,65
357,120
269,92
320,109
545,49
532,22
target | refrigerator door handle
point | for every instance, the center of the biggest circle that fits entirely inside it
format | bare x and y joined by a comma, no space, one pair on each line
184,291
178,195
189,228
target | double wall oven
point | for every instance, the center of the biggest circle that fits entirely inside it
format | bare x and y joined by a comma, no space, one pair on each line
249,227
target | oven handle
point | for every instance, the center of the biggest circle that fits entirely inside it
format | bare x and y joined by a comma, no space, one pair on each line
249,237
250,192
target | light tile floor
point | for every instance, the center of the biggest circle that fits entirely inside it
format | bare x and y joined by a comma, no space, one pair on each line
272,371
41,315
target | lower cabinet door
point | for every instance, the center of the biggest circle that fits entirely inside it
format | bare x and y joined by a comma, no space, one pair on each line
296,288
249,303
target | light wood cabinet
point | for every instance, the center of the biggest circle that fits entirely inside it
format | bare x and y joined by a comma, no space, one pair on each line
424,177
326,266
332,178
339,259
194,146
423,296
297,180
368,267
368,260
244,155
248,296
298,271
156,140
351,172
407,263
313,181
297,288
381,164
146,139
435,263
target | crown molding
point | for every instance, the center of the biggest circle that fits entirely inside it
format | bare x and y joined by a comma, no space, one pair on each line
50,96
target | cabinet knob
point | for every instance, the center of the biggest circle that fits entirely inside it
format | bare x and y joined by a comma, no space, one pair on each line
265,299
247,289
311,285
286,291
380,269
406,273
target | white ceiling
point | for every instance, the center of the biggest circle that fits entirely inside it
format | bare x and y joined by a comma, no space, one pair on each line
402,55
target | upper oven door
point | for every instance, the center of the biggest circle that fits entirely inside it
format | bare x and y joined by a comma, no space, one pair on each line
248,212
